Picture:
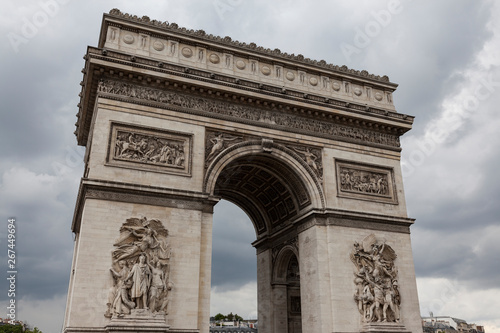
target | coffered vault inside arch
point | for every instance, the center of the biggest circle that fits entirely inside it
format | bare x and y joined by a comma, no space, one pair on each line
268,189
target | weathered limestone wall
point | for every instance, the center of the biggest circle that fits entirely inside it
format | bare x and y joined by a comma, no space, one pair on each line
264,291
122,113
189,271
314,262
365,159
327,278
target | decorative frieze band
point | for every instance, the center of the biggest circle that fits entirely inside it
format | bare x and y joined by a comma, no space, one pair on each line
248,114
366,182
150,149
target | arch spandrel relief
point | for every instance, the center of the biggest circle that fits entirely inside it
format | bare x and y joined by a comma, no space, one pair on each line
217,141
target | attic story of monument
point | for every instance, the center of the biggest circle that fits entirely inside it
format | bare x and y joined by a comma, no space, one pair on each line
173,120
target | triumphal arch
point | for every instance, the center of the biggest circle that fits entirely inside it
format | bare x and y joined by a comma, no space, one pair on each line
173,120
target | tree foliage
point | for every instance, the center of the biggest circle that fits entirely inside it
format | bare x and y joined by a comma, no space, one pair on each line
17,329
228,317
219,317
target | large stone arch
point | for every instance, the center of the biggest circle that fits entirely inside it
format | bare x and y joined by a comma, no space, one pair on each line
276,188
173,120
268,181
286,289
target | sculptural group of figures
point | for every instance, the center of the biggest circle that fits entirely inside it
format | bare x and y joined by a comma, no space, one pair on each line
354,180
377,293
149,149
140,269
244,112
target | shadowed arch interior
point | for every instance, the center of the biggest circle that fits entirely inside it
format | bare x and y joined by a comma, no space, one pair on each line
265,188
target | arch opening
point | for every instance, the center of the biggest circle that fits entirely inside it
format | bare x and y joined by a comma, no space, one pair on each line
234,266
266,188
275,188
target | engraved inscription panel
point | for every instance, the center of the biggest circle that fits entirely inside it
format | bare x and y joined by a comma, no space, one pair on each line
152,149
365,182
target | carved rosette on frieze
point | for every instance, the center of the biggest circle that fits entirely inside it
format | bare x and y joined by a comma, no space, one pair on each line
367,182
140,267
376,279
246,114
152,149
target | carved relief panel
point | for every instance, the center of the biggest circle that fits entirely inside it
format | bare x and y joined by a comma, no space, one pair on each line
216,142
365,182
140,270
376,280
151,149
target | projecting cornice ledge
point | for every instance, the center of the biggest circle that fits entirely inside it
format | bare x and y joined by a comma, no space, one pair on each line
341,218
357,220
334,118
141,194
116,16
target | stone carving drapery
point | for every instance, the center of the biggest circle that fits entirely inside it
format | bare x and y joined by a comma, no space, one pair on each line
150,148
217,142
366,182
140,269
312,157
376,280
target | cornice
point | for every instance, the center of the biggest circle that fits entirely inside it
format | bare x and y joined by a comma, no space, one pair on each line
141,194
202,36
101,63
338,218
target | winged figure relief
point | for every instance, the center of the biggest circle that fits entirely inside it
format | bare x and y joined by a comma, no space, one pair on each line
140,269
377,292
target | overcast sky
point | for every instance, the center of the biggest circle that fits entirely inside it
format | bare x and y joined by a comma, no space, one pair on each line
445,55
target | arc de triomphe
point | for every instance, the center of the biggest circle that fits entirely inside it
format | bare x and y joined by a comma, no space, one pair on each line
173,120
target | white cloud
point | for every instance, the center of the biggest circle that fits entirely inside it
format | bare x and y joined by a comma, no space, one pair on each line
445,297
242,301
41,313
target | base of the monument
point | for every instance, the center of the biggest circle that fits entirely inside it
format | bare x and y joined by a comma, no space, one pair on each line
139,320
384,327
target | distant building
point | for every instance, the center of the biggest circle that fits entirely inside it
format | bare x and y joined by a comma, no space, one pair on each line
233,329
8,322
447,324
243,326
